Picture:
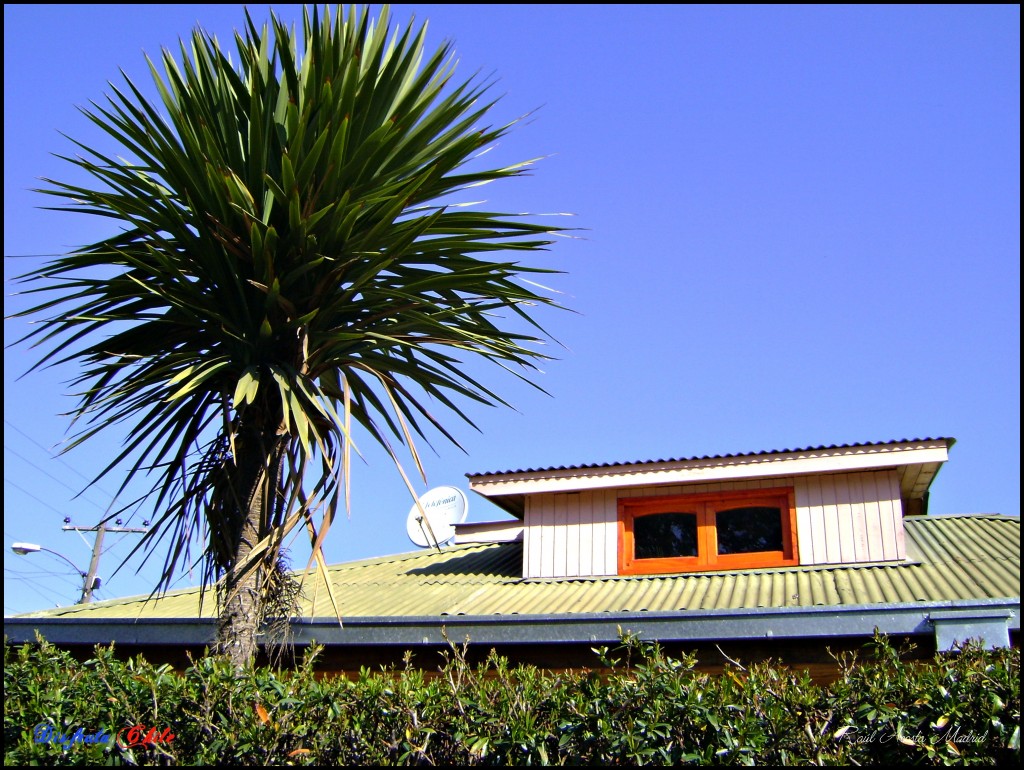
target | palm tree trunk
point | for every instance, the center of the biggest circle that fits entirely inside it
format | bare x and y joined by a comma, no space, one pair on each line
241,599
239,602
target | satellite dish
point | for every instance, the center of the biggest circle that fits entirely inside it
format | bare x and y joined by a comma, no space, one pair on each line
432,519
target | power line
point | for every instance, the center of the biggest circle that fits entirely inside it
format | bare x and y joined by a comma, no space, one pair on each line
34,578
91,482
77,492
90,580
25,491
41,570
49,600
56,457
31,573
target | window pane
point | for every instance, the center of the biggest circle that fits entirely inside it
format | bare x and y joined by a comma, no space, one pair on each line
749,530
665,535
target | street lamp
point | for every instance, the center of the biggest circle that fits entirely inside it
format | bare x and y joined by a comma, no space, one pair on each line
87,586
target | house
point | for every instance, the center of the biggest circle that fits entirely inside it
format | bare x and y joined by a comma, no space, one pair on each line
791,554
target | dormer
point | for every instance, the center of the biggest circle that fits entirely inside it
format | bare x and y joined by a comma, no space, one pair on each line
781,508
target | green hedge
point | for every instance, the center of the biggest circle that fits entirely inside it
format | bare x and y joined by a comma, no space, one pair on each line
960,708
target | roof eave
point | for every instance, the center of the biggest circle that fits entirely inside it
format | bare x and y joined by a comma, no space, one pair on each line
925,456
593,628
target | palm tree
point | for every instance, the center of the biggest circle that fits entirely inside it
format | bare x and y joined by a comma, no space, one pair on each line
290,262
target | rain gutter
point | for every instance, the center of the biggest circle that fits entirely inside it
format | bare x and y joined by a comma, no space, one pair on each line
950,621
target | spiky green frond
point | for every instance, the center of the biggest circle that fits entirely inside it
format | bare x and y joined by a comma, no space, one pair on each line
286,256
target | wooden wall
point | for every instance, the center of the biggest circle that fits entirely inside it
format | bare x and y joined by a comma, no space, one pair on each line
841,518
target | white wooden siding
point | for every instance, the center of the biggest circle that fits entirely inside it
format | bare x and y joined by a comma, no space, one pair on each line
854,517
841,518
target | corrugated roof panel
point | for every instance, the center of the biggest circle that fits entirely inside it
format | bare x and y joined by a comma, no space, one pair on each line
674,592
940,539
819,448
749,588
916,590
938,579
791,594
891,583
772,593
652,593
708,592
957,557
733,591
745,589
989,579
814,589
493,600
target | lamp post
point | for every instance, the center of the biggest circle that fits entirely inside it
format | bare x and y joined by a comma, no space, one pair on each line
88,586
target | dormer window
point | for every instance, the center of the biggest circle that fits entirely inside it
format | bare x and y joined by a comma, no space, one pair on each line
836,504
692,533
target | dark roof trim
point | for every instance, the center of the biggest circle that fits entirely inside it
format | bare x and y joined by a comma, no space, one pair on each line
949,444
708,625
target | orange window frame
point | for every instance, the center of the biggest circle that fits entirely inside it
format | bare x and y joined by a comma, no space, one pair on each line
706,507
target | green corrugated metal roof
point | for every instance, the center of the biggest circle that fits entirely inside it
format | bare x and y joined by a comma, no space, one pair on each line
950,558
759,453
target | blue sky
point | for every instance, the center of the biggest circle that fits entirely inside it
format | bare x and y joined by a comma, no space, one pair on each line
799,226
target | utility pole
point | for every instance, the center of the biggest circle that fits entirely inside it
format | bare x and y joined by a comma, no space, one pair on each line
90,579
